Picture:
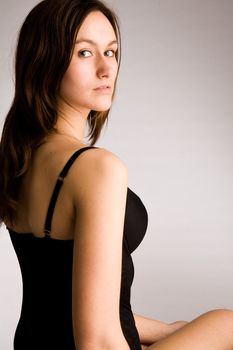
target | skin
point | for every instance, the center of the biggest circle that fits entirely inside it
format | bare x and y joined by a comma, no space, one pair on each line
212,330
98,178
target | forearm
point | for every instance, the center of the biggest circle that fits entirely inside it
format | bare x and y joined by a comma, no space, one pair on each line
150,330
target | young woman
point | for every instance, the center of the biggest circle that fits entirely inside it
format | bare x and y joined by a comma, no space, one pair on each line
71,217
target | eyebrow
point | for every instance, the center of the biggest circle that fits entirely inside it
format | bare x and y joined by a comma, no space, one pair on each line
94,43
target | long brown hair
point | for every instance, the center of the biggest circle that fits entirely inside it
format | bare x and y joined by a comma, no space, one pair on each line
44,50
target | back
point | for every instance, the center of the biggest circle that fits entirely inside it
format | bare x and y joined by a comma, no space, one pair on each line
37,188
46,314
46,262
49,263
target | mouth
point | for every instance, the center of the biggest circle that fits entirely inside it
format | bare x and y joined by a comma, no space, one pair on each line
104,89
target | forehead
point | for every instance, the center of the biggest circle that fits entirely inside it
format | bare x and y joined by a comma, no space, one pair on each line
96,27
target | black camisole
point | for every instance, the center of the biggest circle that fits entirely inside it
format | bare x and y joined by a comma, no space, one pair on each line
46,266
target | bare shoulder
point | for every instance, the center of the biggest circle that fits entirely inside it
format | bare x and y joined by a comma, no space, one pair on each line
95,167
101,157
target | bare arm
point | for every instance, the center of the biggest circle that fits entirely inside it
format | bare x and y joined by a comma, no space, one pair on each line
99,185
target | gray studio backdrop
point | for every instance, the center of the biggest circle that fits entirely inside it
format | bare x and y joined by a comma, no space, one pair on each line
172,124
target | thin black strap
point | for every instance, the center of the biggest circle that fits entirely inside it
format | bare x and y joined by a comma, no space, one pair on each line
59,183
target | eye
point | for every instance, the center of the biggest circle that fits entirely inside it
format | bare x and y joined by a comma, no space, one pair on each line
110,53
85,53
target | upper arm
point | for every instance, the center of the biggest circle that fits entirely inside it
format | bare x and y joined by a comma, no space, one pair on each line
100,190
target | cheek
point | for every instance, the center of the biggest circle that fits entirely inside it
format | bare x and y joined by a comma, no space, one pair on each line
77,78
73,81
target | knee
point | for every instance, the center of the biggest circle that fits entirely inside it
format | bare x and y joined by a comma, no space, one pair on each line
225,316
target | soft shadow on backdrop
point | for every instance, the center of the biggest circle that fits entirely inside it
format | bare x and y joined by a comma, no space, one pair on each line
172,124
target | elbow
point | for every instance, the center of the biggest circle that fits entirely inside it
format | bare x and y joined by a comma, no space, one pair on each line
102,344
105,341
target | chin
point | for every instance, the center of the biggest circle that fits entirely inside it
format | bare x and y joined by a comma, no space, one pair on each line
103,108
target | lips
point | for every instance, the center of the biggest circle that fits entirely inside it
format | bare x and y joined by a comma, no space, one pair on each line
105,89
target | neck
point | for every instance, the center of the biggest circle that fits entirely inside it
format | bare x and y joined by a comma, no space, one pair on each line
72,122
73,130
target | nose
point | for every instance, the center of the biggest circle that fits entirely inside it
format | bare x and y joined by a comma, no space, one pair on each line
106,67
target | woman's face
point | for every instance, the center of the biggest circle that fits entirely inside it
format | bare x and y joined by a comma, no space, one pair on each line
88,83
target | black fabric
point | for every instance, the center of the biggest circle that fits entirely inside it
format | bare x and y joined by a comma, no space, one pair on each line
46,266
